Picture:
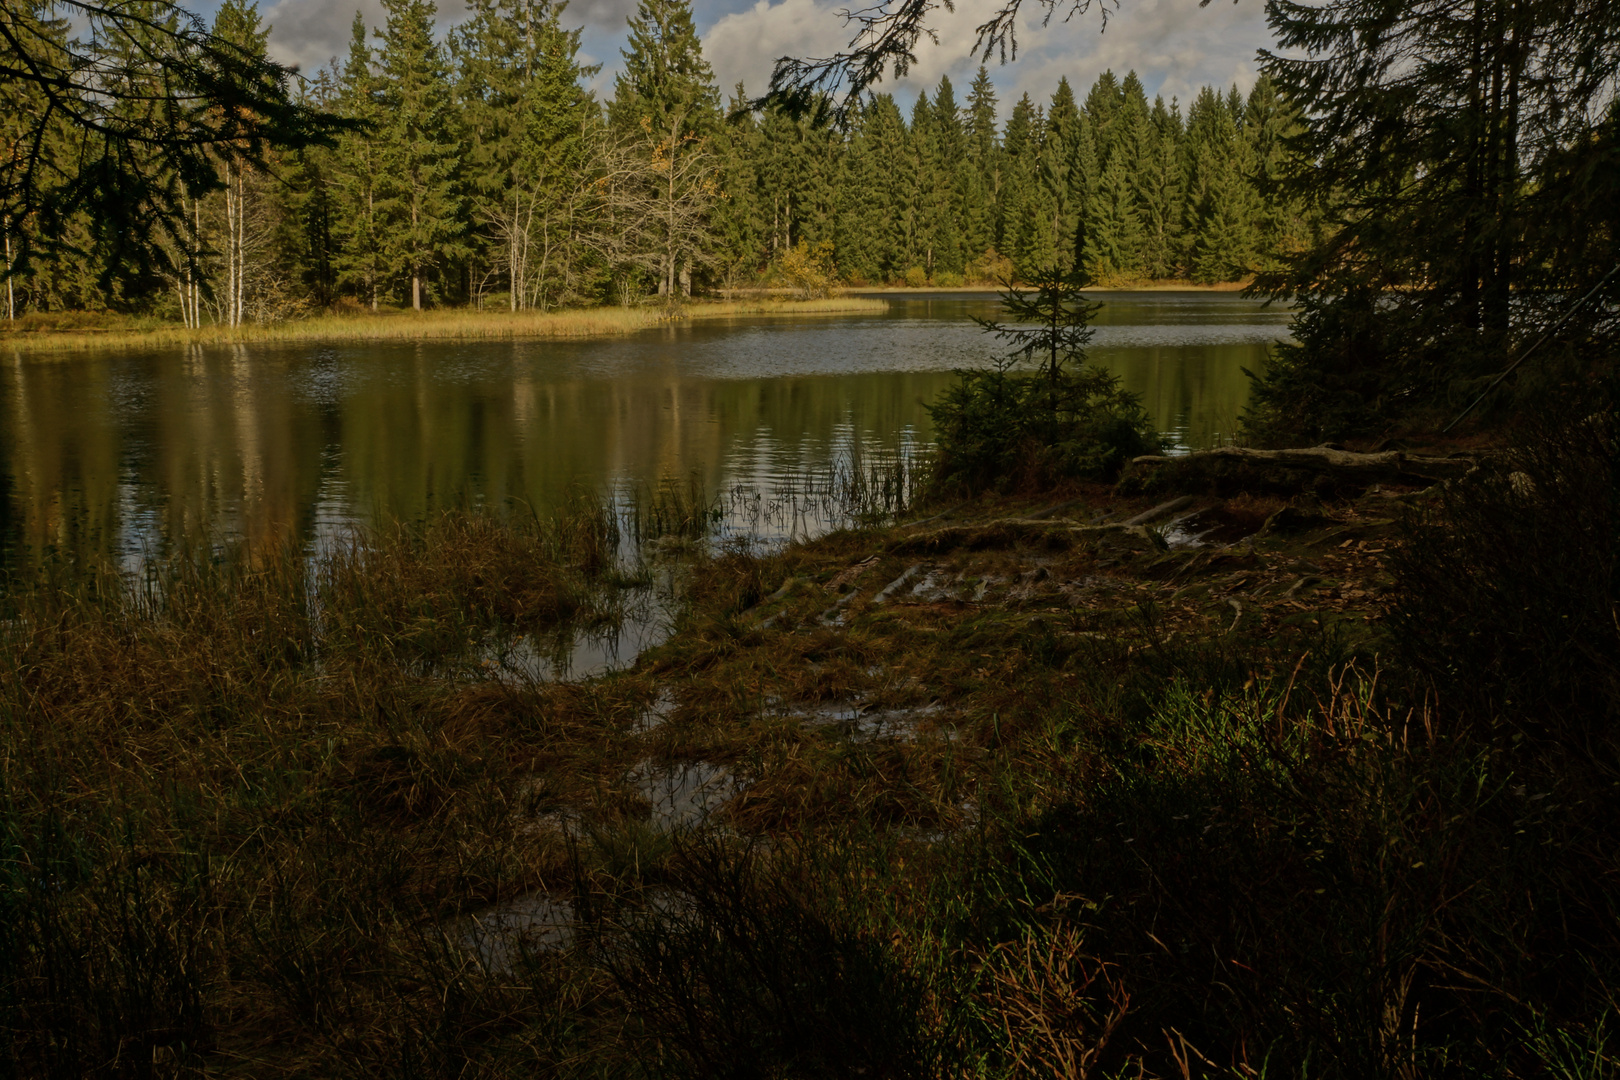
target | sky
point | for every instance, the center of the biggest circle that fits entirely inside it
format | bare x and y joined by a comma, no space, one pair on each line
1174,46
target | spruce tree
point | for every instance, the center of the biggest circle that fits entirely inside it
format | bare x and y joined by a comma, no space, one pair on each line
1068,178
1104,103
859,213
1022,195
526,121
1113,231
666,101
739,222
1158,185
495,55
957,182
1270,126
980,212
893,192
929,198
416,200
1225,243
312,204
357,164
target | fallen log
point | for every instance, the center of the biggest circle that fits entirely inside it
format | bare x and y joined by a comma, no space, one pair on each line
1391,466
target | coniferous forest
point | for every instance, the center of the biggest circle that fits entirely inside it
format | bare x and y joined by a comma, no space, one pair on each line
478,171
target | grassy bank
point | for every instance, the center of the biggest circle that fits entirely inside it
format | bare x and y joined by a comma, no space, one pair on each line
76,332
1020,789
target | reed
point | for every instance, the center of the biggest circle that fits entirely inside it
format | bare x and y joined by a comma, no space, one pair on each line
250,801
46,335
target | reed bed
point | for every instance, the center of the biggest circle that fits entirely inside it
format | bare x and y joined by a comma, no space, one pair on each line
48,335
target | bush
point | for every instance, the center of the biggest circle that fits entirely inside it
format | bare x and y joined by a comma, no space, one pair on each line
807,270
916,277
1509,585
1011,431
949,279
992,266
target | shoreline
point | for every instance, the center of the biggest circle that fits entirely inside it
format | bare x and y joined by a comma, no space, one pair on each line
1170,285
956,739
456,324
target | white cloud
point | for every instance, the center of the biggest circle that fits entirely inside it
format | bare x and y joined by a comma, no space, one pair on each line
309,33
745,45
1174,46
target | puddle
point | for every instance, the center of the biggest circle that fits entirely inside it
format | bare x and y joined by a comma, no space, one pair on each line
1214,527
1187,532
683,796
658,713
579,653
499,936
861,723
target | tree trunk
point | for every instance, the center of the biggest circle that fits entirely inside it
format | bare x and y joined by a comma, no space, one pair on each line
371,269
241,246
229,298
11,295
1390,466
416,271
514,267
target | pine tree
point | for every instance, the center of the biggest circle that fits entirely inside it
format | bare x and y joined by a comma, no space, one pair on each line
416,199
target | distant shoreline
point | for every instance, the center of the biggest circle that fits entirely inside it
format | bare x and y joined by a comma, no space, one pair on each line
68,334
991,290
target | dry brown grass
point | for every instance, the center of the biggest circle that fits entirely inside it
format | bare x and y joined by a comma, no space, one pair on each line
56,335
247,805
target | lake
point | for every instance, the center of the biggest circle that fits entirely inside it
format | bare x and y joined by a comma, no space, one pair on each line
115,453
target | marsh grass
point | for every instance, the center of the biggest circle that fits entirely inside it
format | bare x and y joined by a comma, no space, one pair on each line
61,334
249,799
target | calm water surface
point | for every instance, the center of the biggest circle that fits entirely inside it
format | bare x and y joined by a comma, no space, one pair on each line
119,452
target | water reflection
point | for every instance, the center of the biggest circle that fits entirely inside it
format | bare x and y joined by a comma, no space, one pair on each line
122,453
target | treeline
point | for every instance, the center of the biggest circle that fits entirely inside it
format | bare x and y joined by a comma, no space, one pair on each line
1136,190
482,172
